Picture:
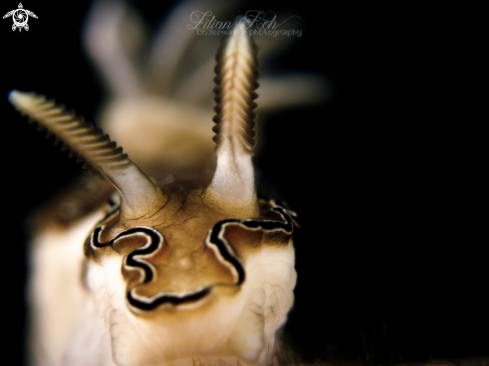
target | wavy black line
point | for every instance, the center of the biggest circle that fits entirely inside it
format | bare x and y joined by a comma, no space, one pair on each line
155,239
164,299
220,227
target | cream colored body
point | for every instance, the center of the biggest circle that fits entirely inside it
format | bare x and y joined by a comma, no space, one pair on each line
79,293
64,315
73,325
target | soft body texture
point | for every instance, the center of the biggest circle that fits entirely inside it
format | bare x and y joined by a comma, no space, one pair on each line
220,281
82,317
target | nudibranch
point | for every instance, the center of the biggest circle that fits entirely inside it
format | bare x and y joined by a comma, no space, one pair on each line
164,272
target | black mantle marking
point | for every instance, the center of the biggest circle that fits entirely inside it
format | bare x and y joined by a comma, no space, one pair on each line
164,298
155,240
216,236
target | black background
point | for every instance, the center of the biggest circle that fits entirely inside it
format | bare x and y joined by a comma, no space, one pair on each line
385,176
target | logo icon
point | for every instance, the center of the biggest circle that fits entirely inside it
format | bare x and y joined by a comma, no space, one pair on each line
20,17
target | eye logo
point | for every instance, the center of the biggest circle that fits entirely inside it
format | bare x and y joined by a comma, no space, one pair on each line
20,17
